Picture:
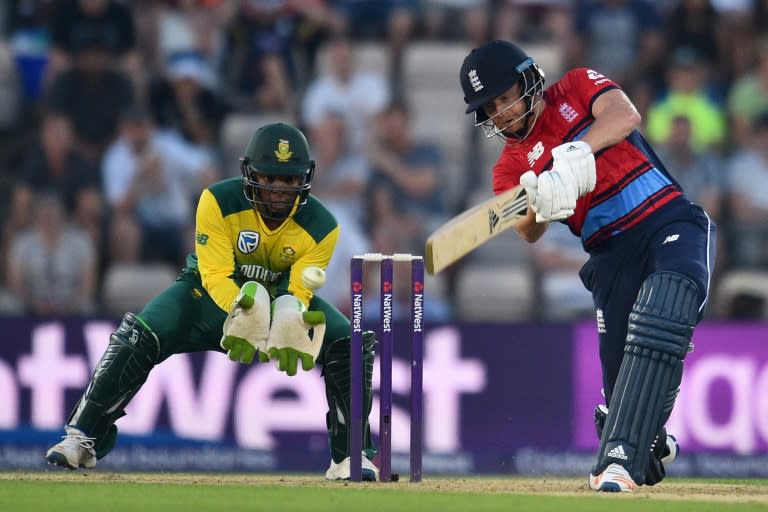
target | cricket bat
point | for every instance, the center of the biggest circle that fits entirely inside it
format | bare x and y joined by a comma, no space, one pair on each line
472,228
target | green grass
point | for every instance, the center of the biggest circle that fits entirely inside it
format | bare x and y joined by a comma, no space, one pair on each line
28,492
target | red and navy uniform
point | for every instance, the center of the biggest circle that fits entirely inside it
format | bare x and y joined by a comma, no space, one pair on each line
635,222
631,181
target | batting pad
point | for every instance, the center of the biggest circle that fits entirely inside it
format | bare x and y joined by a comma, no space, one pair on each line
659,330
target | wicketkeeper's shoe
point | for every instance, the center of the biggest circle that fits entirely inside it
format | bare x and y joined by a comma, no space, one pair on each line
75,450
341,470
615,478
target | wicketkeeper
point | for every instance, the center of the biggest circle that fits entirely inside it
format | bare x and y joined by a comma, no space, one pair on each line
241,293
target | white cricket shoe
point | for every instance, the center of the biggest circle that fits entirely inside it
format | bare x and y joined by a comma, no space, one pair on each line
75,450
341,470
615,478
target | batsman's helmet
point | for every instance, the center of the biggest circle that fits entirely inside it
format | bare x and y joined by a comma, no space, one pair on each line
493,68
276,150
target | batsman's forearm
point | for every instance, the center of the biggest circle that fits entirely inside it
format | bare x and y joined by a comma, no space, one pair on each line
530,230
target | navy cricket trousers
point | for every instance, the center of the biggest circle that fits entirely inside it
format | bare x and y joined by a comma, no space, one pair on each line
679,237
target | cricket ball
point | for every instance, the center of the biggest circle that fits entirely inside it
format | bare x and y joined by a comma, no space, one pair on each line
313,277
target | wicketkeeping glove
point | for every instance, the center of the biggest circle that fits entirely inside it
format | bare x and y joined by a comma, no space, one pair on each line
289,339
247,326
577,158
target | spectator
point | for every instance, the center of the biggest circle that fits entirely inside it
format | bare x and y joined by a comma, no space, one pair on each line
108,21
92,95
621,38
748,198
534,20
29,36
392,20
191,26
52,266
687,97
341,178
149,180
10,98
344,171
358,95
749,96
257,62
701,173
440,20
405,190
186,104
694,24
53,164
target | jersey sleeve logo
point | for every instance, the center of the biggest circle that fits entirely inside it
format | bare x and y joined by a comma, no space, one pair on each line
597,78
247,241
535,153
201,238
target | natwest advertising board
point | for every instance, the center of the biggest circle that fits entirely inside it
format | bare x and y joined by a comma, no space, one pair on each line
498,399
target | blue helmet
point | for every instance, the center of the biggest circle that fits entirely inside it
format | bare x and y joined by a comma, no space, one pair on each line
492,69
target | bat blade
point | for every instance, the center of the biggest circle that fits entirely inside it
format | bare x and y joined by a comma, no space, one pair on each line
472,228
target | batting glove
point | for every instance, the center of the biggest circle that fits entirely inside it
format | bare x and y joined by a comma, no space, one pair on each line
552,195
577,158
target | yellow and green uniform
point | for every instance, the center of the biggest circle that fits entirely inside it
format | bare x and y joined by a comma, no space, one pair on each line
232,246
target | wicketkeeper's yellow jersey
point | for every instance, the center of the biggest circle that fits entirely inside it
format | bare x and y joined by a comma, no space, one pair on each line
233,245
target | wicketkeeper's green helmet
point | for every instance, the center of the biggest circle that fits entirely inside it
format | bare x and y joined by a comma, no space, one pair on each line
276,150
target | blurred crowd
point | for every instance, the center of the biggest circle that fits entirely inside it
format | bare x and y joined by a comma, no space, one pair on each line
114,115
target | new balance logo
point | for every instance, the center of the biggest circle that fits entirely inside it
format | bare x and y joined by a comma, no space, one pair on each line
493,219
535,153
670,239
618,453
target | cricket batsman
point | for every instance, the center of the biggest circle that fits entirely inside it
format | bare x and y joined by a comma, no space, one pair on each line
241,293
577,149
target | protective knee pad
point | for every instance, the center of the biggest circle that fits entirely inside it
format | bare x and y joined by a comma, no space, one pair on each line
659,331
132,352
337,391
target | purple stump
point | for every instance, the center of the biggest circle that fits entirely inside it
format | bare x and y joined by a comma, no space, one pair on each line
417,367
356,373
385,371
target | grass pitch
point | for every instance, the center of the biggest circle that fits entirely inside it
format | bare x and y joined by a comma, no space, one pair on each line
150,492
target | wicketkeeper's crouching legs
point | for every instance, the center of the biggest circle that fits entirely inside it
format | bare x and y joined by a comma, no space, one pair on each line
660,328
337,392
132,352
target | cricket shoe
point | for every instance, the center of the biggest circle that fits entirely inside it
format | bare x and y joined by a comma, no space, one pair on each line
614,478
341,470
75,450
671,451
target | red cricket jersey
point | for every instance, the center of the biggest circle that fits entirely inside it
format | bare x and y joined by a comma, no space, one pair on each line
632,182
